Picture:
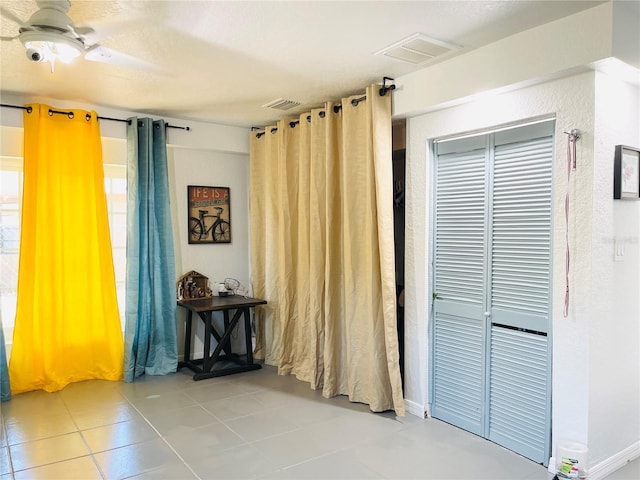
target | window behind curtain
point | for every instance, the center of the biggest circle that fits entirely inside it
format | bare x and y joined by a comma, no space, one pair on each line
115,183
10,204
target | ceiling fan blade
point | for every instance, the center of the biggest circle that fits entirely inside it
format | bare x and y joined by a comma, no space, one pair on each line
97,30
9,15
98,53
9,39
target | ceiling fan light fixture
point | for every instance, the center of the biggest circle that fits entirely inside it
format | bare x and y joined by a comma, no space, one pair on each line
48,47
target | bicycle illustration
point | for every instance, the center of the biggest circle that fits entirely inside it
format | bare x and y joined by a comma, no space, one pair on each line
219,228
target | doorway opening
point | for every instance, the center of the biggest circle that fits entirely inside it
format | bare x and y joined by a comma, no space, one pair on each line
399,167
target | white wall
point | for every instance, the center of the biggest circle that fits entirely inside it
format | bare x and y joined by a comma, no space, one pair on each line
204,167
614,334
626,35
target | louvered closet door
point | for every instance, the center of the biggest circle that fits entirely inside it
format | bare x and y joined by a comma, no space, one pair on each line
460,243
520,290
492,285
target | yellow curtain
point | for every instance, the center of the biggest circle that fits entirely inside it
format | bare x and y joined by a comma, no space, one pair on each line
323,250
67,325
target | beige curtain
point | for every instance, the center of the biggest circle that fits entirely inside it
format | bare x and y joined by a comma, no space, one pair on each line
323,251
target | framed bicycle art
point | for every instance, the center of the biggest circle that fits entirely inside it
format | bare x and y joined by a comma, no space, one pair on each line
209,213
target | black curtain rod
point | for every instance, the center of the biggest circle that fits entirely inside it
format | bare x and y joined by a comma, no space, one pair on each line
336,108
321,114
88,116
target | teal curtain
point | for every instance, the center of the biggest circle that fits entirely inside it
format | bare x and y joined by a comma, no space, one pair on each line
150,331
5,386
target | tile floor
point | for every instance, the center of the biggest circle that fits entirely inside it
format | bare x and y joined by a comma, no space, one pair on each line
251,425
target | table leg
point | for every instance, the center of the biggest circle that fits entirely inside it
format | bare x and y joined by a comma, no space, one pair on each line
206,316
226,337
227,347
247,335
187,338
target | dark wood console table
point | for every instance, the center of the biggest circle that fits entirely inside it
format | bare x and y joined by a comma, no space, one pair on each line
204,367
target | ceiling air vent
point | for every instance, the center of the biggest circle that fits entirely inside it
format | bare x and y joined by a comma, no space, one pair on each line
417,48
282,104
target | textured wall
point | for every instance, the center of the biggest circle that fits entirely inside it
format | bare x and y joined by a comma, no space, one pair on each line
614,334
204,167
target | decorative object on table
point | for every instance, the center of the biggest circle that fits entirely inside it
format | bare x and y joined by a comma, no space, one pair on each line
209,214
193,286
626,173
222,290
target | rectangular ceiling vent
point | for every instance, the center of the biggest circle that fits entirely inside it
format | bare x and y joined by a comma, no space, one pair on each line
282,104
417,48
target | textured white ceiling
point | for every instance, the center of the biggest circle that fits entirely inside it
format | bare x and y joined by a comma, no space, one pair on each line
220,61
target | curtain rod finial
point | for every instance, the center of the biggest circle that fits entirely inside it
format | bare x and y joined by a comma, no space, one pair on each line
385,88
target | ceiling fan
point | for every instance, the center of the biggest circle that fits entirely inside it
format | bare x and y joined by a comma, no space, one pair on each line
50,35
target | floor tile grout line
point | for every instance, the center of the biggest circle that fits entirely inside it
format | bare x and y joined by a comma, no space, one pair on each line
166,442
340,450
62,461
311,459
249,442
84,440
199,402
89,453
6,437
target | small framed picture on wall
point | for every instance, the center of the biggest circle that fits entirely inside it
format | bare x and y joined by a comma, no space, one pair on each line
209,214
626,173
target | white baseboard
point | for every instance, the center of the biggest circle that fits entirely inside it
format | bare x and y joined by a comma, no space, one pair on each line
613,463
414,409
